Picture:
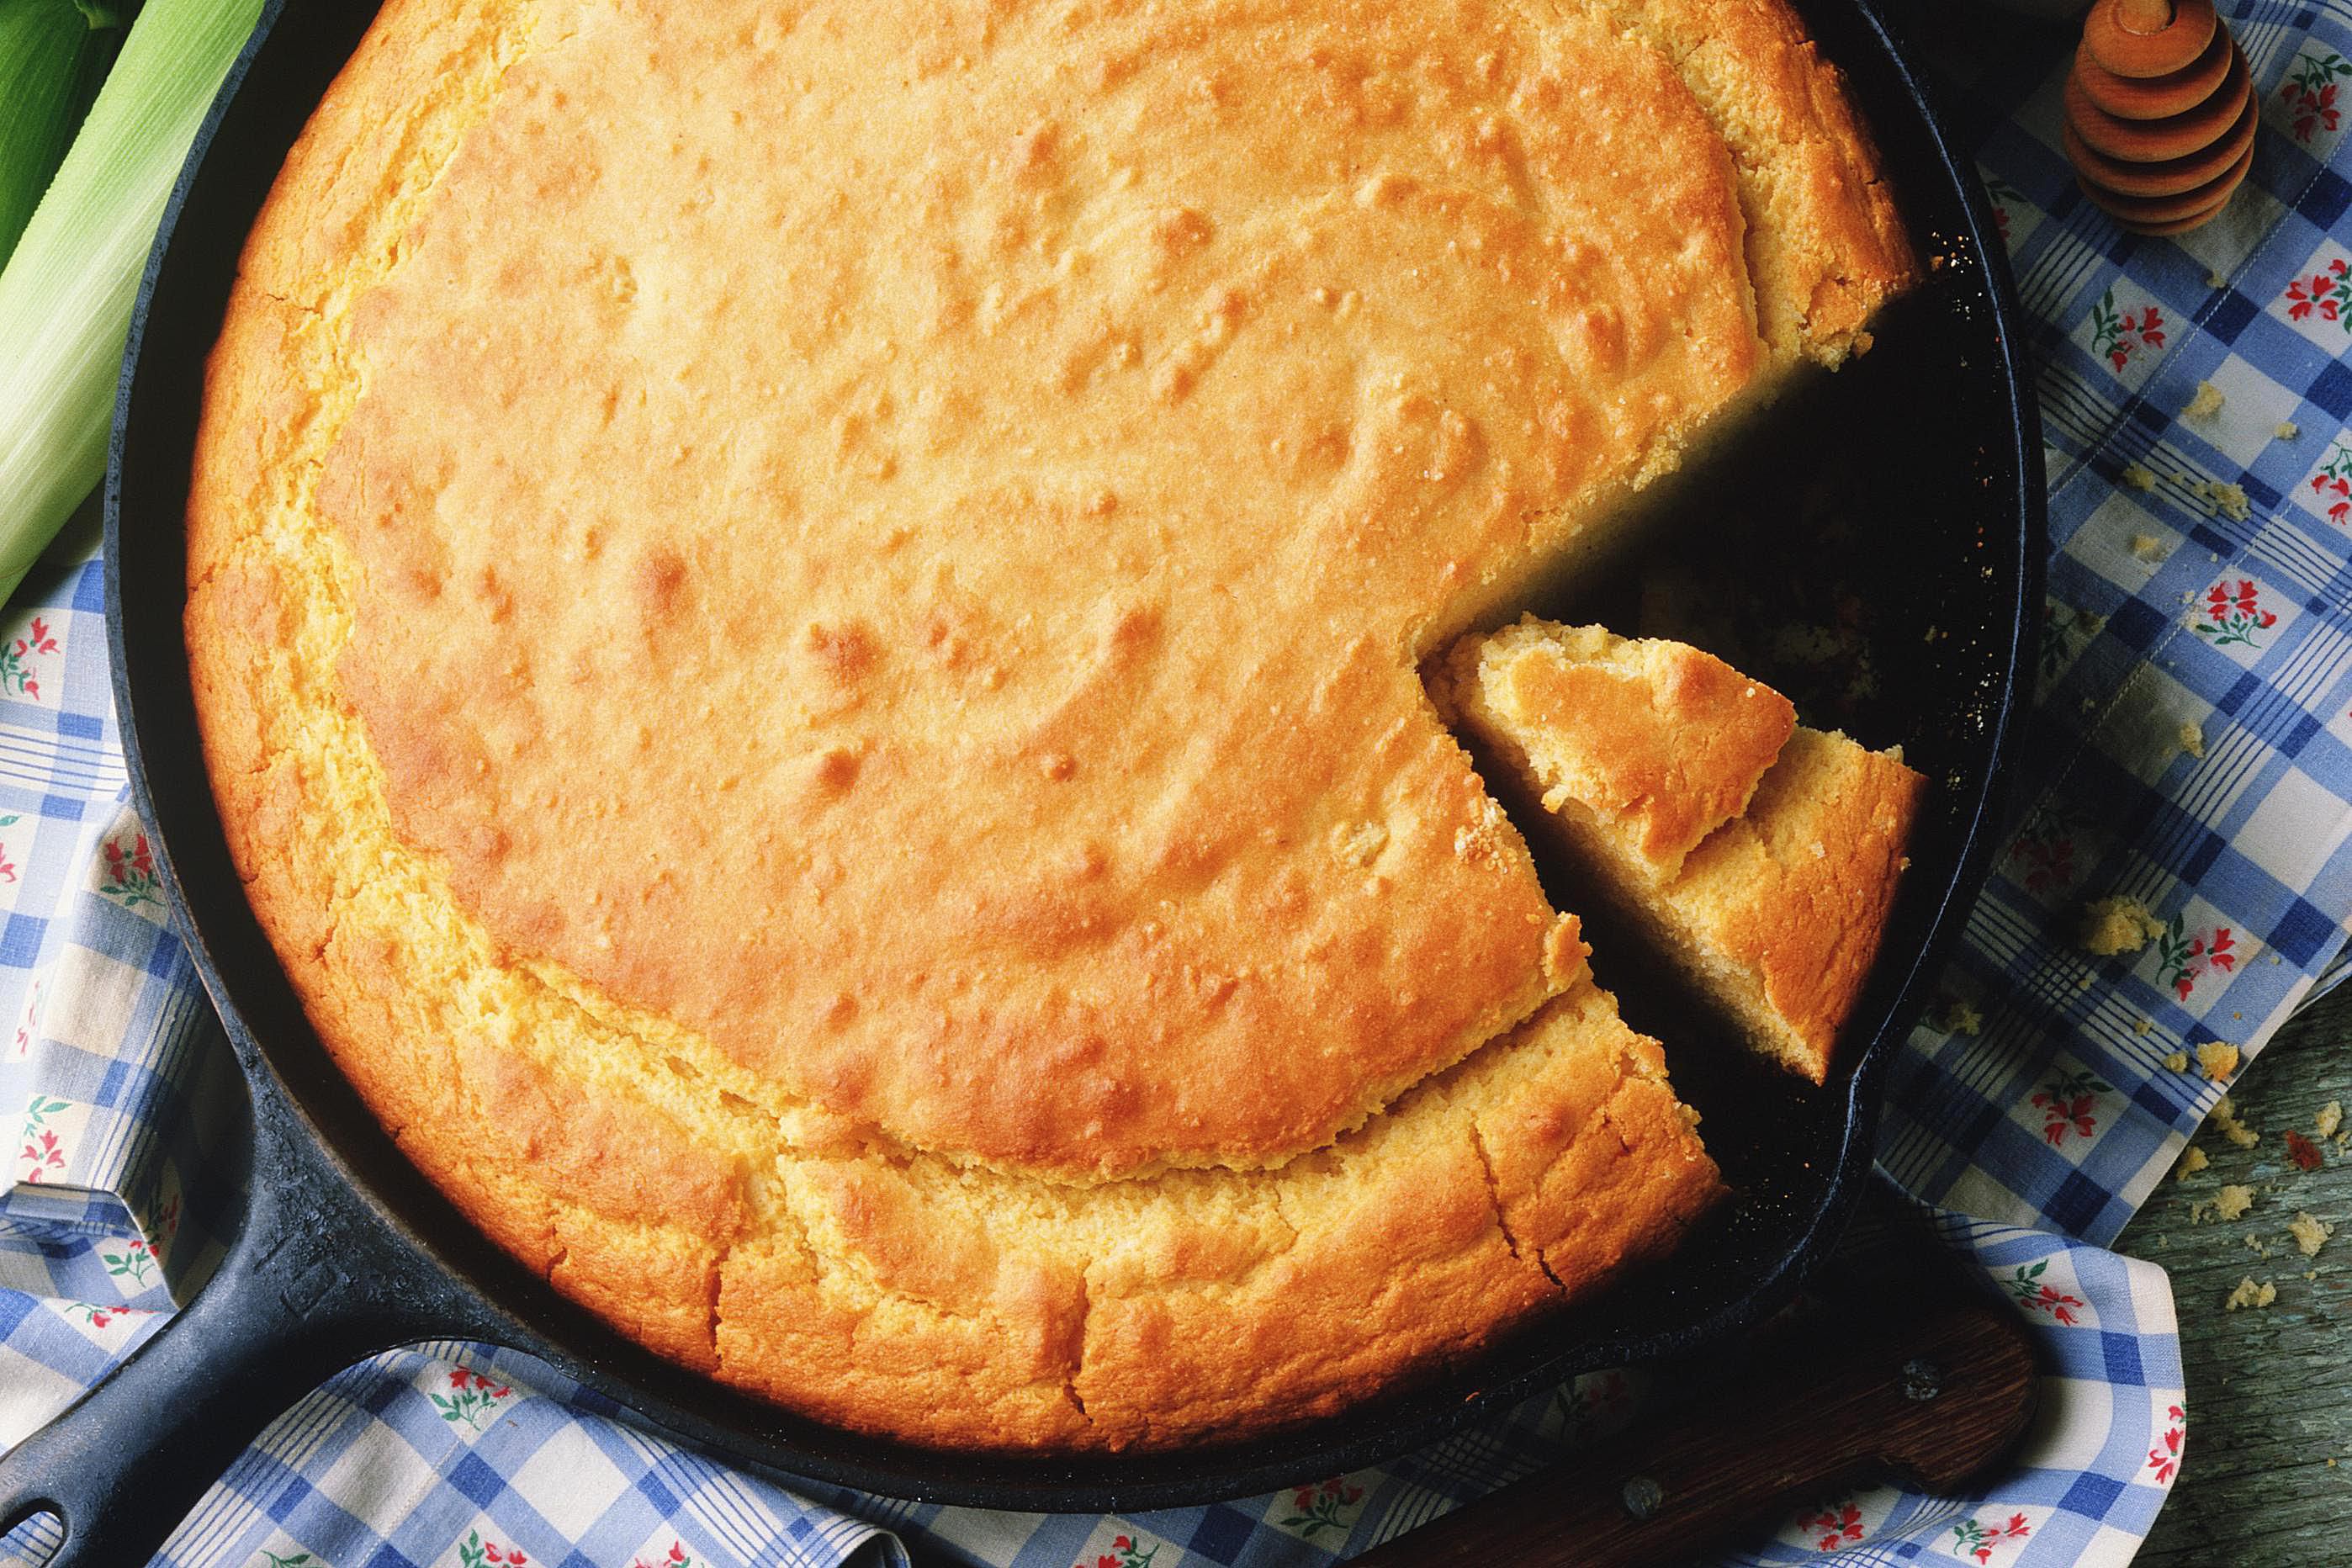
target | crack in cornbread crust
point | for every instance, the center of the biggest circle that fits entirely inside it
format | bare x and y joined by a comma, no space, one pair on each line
704,1206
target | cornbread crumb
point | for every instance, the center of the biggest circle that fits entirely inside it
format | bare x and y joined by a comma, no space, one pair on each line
2213,279
2192,1160
1958,1016
2178,1061
1803,643
1358,846
2249,1294
2217,1059
2205,403
2287,431
2230,500
2192,740
2310,1234
2137,478
2147,1027
2118,923
2225,1117
2233,1200
2330,1117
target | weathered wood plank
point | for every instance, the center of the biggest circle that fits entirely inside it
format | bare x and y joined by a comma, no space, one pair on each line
2270,1391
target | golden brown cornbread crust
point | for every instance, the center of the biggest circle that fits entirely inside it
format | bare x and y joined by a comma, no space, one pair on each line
931,915
1660,741
1761,855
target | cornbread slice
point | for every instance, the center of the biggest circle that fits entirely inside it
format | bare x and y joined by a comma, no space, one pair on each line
1761,856
807,623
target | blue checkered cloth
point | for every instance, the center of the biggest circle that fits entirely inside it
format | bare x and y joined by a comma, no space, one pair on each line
2188,751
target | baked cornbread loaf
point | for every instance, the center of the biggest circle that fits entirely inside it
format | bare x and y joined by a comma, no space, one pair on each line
807,624
1760,855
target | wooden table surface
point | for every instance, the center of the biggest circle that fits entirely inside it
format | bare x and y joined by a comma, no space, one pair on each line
2268,1477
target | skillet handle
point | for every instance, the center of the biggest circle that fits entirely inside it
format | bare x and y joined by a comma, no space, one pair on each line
314,1281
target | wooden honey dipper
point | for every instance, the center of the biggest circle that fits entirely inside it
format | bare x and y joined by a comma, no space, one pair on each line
2160,113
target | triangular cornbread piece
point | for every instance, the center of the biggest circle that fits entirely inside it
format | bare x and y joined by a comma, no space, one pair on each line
1762,857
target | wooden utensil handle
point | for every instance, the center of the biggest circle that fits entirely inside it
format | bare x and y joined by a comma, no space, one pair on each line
1935,1400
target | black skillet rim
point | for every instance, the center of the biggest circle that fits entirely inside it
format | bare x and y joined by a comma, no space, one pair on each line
804,1450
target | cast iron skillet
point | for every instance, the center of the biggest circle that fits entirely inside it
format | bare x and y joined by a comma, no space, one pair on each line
1898,499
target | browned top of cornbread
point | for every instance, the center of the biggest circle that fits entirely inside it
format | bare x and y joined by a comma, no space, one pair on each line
842,590
1661,741
1797,890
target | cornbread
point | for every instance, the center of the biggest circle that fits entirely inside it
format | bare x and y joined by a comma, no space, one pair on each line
1762,857
2118,923
807,624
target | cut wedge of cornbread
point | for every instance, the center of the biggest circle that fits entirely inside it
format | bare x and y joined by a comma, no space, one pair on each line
1760,857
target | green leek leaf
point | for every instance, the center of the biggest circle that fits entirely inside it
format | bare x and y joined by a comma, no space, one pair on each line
67,291
52,55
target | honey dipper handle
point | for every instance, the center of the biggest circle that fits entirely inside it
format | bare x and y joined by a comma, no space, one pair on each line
1935,1399
2144,15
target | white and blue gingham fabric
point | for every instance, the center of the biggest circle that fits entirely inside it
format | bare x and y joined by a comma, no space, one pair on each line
2198,577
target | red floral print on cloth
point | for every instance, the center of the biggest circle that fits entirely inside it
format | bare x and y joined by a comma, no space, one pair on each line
130,879
1832,1525
471,1397
1325,1506
8,867
1124,1553
2182,959
1596,1402
2004,196
134,1261
2120,336
99,1317
2234,615
2327,291
30,1019
17,676
477,1552
44,1151
2309,94
2025,1288
2069,1104
2332,484
2043,850
2164,1457
1979,1541
677,1557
